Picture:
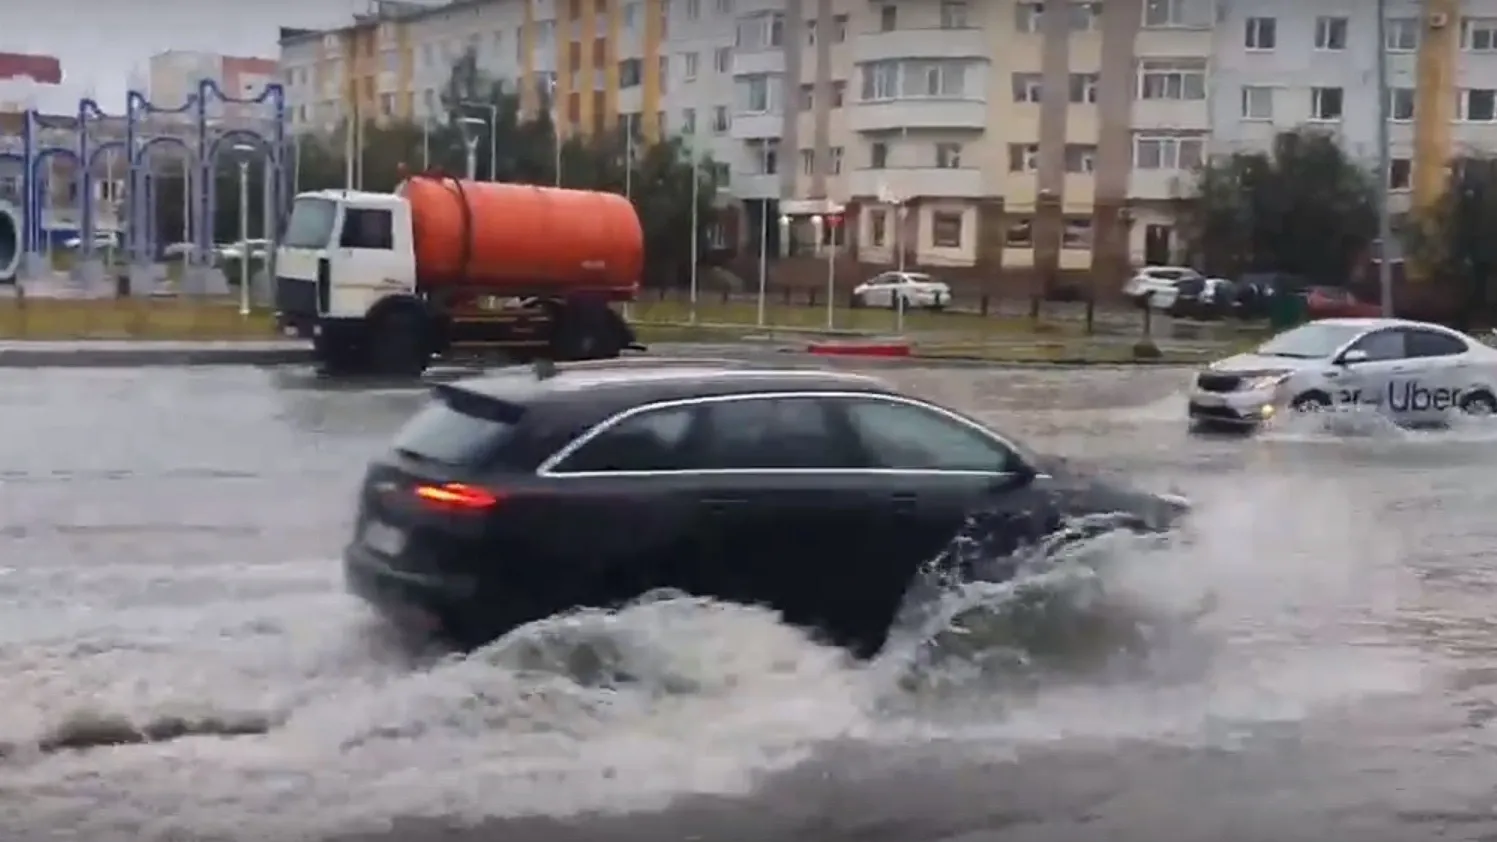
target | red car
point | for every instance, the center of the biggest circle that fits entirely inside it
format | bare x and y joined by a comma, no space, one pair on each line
1335,302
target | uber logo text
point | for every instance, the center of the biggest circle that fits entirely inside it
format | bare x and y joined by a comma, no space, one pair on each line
1404,396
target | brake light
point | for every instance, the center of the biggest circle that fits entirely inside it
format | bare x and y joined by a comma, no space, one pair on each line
456,496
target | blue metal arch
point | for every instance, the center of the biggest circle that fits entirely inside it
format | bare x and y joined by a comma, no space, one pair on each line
265,147
97,152
164,140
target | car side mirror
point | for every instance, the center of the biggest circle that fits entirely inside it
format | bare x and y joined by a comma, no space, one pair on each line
1353,356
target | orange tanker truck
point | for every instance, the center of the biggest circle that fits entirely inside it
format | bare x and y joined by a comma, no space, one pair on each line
384,282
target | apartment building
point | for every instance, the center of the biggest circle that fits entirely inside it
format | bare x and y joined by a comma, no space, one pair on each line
361,71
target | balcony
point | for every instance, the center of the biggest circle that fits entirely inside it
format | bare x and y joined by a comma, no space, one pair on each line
1160,185
919,113
757,125
771,61
1173,114
917,182
920,43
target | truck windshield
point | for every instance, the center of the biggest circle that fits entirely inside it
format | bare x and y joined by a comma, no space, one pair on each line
311,224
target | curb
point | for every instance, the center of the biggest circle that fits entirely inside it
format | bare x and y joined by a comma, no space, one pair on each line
143,355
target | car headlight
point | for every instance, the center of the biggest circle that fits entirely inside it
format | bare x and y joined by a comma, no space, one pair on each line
1265,381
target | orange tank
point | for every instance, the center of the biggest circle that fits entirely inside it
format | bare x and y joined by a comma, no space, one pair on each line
523,240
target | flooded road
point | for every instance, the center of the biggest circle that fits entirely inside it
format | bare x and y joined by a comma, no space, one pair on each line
169,572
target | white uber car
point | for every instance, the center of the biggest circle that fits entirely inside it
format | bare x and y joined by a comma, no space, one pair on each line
1414,372
915,289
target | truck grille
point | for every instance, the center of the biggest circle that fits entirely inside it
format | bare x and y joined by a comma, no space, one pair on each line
1209,382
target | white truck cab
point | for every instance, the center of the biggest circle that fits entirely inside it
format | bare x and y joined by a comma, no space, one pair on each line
349,250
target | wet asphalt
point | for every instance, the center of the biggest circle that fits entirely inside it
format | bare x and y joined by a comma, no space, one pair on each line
169,570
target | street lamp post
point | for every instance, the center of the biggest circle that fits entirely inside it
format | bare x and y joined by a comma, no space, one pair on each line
493,125
470,140
244,150
829,224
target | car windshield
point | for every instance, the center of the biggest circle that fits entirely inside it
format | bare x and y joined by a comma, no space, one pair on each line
311,224
1310,342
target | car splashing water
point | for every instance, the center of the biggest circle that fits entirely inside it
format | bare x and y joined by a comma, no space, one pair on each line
161,694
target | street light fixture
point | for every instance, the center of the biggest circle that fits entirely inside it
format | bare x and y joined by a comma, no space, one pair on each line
471,140
245,151
493,126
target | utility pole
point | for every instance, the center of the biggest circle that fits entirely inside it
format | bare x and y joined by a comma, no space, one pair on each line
1384,164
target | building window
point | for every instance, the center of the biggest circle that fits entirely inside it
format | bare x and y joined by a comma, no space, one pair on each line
954,14
946,230
808,161
878,155
631,71
689,63
877,227
1081,158
888,18
767,155
1086,17
1479,35
1401,105
1168,152
811,32
1019,234
1257,102
693,9
722,59
1084,88
1027,87
1076,233
1028,17
807,97
1479,105
839,23
1182,79
719,119
949,156
839,93
1402,35
1330,33
1400,174
834,160
756,95
1023,157
1162,14
880,80
1326,104
1261,34
688,121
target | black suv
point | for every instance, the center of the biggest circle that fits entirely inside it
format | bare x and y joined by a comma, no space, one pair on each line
817,493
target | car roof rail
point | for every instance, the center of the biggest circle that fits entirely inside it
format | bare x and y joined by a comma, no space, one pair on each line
658,362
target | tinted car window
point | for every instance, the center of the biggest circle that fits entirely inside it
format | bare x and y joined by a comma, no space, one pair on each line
654,440
913,437
769,433
1382,345
1430,343
458,429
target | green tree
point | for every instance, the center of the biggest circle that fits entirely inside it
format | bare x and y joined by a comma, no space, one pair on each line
1304,208
1452,241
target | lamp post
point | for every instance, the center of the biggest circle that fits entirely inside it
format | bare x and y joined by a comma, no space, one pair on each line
244,150
900,213
471,141
493,126
1384,218
829,224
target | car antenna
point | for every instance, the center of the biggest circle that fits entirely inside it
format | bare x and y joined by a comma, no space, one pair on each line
544,369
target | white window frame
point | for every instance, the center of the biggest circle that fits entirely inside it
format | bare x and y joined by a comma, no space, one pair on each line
1176,153
1409,97
1318,95
1171,76
1483,30
948,156
1032,87
1465,105
1325,26
1401,34
1269,95
1260,34
1166,14
1029,17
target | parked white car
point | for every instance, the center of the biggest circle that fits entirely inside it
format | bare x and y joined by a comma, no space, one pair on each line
102,240
235,251
1158,283
1413,372
914,289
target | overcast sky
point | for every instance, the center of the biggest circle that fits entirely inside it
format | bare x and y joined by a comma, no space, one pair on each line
101,41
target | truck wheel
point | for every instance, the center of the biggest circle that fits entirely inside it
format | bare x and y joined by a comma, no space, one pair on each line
586,332
398,343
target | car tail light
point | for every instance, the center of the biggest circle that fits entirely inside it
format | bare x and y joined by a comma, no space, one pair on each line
457,497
